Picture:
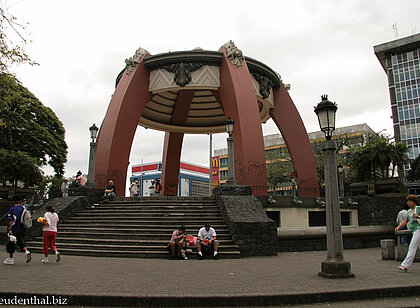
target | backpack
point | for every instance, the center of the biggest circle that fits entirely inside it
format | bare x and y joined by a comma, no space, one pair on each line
26,219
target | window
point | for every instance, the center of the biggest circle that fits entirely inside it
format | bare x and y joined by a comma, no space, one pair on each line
199,188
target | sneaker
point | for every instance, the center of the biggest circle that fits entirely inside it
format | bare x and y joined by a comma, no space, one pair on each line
28,256
57,257
9,261
44,260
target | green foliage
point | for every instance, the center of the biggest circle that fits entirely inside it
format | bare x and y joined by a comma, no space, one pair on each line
279,166
414,173
28,126
13,39
17,165
376,159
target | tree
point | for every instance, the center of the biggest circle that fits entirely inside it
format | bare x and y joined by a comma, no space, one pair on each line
28,126
414,173
375,158
17,165
279,166
13,40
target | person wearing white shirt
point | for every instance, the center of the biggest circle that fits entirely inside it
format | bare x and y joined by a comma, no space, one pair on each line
207,242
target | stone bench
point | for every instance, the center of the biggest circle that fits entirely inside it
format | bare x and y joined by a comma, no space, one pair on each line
402,250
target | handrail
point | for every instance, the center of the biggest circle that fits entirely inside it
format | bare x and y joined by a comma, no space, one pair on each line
4,215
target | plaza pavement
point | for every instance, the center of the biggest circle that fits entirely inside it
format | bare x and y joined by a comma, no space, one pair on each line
289,278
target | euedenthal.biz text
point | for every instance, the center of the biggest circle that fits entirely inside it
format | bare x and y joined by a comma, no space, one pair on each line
34,300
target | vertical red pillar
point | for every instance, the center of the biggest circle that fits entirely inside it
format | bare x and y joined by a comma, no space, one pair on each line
170,163
119,126
240,103
293,131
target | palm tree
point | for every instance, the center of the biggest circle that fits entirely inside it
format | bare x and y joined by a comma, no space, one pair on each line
376,158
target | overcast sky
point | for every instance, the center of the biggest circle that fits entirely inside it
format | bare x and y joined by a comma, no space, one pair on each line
319,47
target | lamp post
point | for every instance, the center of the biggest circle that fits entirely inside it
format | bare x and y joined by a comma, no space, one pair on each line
91,171
231,157
341,180
334,266
211,165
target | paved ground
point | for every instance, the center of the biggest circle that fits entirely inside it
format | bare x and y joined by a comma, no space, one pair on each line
289,278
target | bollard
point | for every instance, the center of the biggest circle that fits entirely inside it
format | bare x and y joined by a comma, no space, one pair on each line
388,249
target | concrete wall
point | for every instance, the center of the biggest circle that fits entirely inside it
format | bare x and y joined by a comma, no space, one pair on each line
380,210
298,217
293,215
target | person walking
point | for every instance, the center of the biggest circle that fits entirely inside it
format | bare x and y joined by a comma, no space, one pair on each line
158,187
49,230
411,219
134,189
400,217
16,233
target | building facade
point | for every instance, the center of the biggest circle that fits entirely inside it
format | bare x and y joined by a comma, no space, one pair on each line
274,144
193,179
400,60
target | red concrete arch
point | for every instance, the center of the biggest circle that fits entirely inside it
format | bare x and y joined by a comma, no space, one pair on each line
240,103
237,97
293,131
119,126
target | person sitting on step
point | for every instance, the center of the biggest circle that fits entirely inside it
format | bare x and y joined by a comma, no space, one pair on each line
176,242
206,242
110,191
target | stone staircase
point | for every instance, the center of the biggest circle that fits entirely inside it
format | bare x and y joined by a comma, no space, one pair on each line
138,228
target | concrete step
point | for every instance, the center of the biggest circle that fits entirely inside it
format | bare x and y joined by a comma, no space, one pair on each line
155,208
138,229
121,246
141,224
132,236
100,211
159,202
144,218
130,254
124,242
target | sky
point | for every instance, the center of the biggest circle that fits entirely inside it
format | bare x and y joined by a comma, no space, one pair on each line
319,47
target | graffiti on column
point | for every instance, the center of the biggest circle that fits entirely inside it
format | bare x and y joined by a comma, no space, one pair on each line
239,172
256,167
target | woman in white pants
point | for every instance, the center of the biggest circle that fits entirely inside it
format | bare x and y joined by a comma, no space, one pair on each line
411,219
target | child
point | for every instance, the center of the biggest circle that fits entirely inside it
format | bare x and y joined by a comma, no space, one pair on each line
49,228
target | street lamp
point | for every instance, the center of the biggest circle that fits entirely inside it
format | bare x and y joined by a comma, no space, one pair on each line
93,132
91,171
334,266
231,157
341,180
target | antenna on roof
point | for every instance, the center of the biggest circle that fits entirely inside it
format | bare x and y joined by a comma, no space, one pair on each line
413,28
394,26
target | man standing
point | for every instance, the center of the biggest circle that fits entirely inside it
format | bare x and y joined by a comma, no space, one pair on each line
206,242
16,233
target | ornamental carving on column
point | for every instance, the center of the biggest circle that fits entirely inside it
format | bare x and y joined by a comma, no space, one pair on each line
183,71
133,61
265,84
234,54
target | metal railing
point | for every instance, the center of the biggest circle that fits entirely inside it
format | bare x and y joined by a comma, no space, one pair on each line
301,191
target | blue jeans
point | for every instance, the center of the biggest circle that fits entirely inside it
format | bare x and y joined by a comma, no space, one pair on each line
404,238
109,195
